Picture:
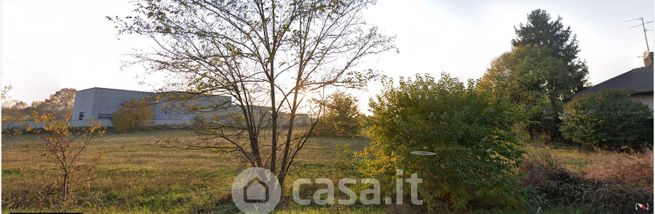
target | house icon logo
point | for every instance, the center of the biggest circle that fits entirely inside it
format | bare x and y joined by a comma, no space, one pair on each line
256,190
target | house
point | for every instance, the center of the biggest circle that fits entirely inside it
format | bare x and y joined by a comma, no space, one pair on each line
101,103
638,82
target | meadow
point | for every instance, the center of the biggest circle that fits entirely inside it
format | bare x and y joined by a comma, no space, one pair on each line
138,175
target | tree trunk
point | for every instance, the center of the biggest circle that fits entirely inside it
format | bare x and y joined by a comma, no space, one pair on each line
64,186
280,178
273,123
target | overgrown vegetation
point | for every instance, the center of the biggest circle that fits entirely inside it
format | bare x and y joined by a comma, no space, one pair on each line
469,132
132,115
610,120
634,169
551,185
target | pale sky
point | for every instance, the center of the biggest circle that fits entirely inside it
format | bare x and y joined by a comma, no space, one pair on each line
51,44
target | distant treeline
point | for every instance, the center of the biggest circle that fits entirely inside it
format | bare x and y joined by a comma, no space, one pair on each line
14,111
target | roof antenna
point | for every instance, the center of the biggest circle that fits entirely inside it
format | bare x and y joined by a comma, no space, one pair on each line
643,26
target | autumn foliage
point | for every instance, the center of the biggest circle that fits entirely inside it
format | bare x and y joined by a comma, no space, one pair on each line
65,147
133,115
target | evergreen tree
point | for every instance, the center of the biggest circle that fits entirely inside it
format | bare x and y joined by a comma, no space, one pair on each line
542,31
540,73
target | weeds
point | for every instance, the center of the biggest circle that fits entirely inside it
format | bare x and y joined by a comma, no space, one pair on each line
549,184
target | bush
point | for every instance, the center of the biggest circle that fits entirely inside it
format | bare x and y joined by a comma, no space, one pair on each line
552,186
470,133
342,118
133,115
608,119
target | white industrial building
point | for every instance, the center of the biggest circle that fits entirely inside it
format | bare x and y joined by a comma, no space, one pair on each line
101,103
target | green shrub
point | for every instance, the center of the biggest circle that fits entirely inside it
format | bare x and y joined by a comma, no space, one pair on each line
608,119
470,133
341,118
345,162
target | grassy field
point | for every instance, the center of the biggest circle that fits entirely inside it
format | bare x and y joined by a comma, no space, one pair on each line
137,175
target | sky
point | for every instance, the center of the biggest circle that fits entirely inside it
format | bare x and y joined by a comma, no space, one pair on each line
47,45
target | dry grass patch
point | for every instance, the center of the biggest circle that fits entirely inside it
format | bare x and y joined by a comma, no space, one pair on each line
635,169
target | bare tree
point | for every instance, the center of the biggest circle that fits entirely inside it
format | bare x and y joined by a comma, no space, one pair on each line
65,147
271,57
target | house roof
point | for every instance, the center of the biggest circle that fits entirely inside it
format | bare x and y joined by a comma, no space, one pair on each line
636,81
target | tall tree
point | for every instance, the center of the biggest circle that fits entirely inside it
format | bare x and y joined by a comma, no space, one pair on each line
270,57
540,72
542,31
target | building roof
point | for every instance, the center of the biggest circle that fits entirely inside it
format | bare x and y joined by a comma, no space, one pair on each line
146,92
116,89
636,81
101,88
